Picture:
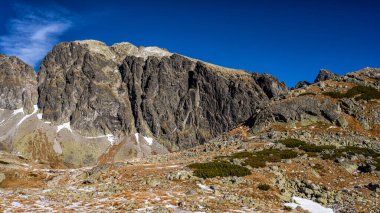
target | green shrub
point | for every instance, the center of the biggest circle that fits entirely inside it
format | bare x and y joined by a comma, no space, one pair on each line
351,150
295,143
363,93
315,148
359,150
3,162
377,164
307,93
242,155
336,95
259,159
255,162
366,93
318,166
263,187
275,155
218,168
291,142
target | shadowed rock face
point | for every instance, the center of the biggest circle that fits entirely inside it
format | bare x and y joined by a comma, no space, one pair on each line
271,86
180,101
301,84
18,87
184,101
84,88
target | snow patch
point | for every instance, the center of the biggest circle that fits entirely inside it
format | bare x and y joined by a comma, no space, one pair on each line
137,138
35,107
308,205
16,204
111,138
149,140
39,116
64,126
21,110
27,116
204,187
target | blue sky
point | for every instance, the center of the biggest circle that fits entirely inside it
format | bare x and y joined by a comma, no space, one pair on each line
291,39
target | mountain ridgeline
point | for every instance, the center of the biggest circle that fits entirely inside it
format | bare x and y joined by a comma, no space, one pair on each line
92,90
100,89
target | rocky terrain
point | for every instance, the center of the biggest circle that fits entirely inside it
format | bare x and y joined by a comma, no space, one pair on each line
140,129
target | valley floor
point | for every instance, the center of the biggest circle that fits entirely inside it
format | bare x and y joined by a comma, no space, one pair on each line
164,183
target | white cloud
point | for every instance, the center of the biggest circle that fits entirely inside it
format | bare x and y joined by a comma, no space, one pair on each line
31,35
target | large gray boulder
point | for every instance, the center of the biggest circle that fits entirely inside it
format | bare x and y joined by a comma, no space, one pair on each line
18,87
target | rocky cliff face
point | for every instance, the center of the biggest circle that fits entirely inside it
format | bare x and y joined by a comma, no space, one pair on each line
100,104
18,87
123,89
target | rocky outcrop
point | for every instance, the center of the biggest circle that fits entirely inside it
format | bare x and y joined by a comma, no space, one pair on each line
271,86
365,77
304,109
302,84
324,75
18,88
81,84
180,101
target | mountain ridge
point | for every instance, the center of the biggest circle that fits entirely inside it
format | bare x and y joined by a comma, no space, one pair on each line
87,89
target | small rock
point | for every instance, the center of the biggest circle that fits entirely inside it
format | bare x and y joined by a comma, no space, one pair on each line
373,187
349,167
322,200
191,192
2,177
179,175
153,182
365,168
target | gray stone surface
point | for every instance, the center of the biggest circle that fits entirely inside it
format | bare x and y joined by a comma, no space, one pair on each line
2,177
300,108
180,101
324,75
301,84
18,87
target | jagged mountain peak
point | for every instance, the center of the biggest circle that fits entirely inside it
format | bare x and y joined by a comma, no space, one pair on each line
324,75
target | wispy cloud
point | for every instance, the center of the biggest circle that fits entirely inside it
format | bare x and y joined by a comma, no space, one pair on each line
33,33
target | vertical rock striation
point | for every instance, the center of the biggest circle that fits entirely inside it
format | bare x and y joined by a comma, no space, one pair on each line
18,88
123,89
